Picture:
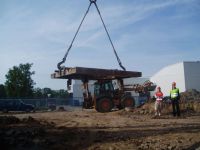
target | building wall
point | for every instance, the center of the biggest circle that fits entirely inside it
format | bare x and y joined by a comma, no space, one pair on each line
78,88
169,74
192,75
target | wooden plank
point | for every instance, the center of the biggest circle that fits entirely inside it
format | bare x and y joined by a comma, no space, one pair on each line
93,73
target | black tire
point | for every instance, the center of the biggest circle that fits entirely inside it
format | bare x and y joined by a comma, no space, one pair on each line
128,101
104,105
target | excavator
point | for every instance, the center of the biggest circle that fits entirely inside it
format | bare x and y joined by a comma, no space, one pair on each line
109,88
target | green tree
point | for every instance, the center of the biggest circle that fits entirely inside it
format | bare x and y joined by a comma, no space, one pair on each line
37,93
2,91
47,91
63,93
19,83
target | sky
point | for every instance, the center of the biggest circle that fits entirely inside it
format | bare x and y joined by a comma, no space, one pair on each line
147,34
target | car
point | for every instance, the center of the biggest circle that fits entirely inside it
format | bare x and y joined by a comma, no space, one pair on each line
15,105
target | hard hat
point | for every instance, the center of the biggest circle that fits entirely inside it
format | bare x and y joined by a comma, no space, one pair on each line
173,83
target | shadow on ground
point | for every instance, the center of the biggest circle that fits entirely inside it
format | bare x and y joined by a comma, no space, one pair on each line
32,134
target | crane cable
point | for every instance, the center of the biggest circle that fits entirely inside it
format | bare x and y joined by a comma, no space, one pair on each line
66,54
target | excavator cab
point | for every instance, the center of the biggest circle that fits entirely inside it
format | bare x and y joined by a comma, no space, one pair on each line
103,88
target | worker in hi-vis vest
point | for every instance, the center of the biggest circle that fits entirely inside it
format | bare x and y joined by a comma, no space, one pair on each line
175,97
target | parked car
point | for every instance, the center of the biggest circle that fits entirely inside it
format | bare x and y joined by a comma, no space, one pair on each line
15,105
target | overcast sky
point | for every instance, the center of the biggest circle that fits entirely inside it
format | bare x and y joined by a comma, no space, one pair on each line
148,35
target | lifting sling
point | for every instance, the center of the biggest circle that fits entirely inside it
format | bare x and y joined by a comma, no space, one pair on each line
66,54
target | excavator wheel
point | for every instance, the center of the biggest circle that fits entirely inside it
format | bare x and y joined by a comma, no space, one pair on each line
104,105
128,101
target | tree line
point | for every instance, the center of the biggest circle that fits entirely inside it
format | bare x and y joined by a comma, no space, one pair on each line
19,84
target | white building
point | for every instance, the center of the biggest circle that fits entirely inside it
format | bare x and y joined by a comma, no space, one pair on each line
78,88
185,74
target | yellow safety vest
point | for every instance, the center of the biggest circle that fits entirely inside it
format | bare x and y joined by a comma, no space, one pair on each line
174,93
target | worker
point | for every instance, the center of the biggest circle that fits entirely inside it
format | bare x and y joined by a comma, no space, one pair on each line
158,102
175,97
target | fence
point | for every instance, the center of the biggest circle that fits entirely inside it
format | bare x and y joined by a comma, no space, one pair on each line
46,102
75,101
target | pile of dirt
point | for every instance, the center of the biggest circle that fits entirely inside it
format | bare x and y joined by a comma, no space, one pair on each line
9,120
32,134
190,95
190,100
189,104
21,133
188,108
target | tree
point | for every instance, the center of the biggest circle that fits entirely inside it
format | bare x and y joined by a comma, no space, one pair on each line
63,93
19,83
2,91
37,93
55,93
47,91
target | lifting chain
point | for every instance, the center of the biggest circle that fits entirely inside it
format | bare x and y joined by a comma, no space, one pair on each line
66,54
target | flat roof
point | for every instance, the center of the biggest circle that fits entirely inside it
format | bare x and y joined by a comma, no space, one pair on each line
93,73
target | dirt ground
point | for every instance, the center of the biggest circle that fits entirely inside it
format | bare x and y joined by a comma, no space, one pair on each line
88,129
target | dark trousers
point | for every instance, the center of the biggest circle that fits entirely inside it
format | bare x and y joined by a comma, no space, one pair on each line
175,107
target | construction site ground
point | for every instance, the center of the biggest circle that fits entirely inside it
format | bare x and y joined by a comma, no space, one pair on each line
87,129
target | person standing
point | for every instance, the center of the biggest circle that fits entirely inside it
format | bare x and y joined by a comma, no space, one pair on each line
175,97
158,103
